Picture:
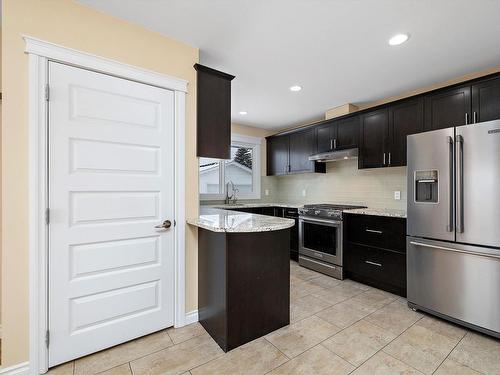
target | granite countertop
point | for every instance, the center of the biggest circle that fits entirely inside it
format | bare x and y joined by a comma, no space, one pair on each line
219,220
378,212
255,205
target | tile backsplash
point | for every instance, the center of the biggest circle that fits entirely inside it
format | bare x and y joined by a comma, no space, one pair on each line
343,183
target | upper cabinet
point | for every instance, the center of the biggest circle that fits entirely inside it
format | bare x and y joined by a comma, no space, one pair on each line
374,130
289,153
486,100
347,132
301,147
381,132
404,119
448,108
278,148
337,134
213,113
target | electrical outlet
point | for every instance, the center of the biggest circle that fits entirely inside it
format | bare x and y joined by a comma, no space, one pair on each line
266,192
397,195
303,192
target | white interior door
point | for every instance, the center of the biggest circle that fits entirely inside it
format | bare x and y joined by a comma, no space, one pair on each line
111,181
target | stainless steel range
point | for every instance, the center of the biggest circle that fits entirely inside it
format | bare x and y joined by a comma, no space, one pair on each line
320,237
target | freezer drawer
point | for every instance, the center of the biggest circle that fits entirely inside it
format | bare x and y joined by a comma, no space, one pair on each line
456,281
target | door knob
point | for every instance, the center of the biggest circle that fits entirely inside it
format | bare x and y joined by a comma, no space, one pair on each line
165,225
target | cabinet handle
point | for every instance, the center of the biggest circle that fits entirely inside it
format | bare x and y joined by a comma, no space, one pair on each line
474,117
373,263
389,158
384,158
335,143
331,144
373,231
466,118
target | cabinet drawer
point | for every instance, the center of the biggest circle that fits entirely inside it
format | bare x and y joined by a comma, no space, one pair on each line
383,266
291,212
377,231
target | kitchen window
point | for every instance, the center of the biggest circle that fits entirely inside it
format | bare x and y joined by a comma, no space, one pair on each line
243,170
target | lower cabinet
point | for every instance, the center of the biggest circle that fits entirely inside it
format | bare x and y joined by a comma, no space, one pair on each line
383,269
374,251
289,213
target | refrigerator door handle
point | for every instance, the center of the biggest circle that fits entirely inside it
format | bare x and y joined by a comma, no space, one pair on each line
451,193
415,243
460,183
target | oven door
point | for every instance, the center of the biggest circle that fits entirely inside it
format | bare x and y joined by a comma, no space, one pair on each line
321,239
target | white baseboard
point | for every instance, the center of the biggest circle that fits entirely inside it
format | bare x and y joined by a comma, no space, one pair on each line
20,369
192,317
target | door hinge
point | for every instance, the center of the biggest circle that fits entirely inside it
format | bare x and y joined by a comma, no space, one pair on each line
47,216
47,338
47,92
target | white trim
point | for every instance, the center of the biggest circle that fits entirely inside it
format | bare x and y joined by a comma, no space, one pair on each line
71,56
244,141
192,317
40,53
180,199
19,369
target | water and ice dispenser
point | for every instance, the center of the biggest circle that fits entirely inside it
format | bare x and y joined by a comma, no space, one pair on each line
426,186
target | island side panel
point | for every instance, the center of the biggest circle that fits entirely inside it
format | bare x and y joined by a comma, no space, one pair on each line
258,284
212,282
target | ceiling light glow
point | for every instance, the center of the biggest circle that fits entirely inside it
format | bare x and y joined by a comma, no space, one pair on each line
243,113
398,39
295,88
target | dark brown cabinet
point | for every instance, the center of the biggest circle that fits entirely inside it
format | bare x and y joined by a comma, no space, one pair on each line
339,135
301,147
375,251
381,132
404,119
289,213
324,137
374,127
289,153
347,132
277,155
486,100
448,108
213,118
243,284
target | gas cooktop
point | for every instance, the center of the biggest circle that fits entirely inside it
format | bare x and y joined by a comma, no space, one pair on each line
326,211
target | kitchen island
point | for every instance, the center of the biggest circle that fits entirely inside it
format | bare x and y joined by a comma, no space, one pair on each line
243,274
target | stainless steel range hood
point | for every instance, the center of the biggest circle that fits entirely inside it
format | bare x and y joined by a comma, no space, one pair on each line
350,153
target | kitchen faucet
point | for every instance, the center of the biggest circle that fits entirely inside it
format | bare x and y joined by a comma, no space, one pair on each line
234,190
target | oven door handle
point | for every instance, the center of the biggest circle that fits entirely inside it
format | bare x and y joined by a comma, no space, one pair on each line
320,221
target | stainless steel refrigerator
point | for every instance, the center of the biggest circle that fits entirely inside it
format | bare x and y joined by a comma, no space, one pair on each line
453,243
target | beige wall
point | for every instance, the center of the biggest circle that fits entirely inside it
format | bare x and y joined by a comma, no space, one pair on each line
0,180
344,183
69,24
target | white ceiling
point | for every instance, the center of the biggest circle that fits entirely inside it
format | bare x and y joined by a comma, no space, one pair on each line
336,49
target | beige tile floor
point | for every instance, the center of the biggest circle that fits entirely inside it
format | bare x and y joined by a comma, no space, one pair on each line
337,327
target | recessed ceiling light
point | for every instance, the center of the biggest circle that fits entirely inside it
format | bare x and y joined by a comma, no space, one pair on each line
243,113
398,39
295,88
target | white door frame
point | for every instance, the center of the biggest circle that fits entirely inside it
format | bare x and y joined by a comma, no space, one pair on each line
40,53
